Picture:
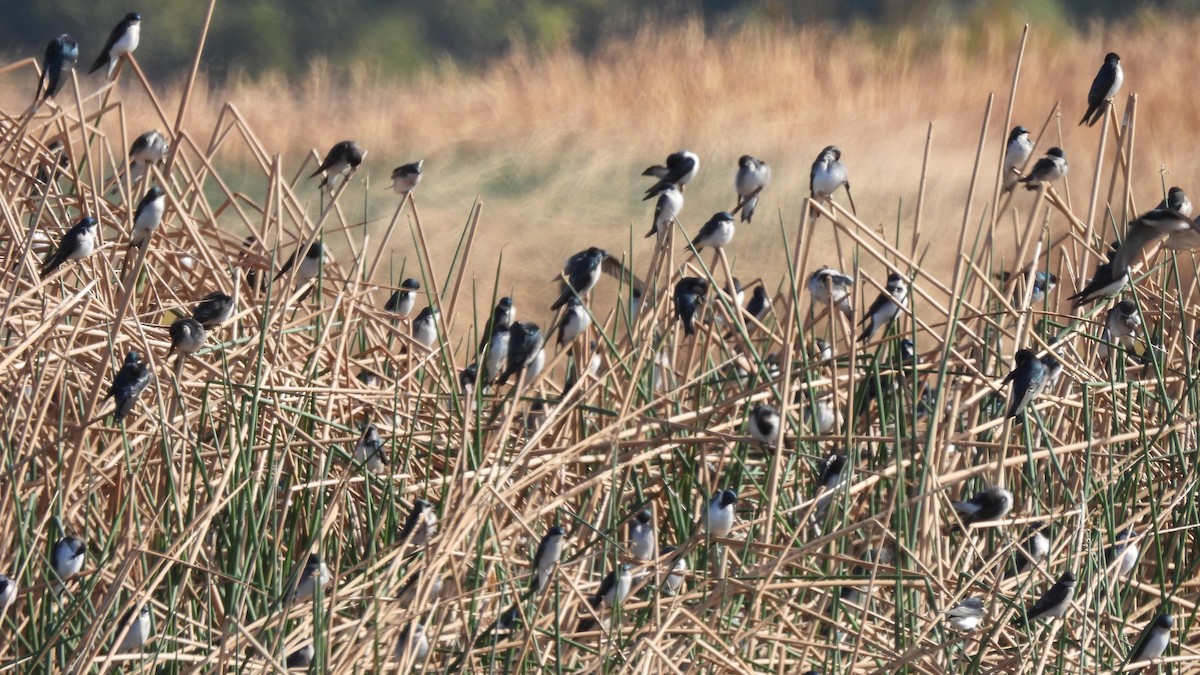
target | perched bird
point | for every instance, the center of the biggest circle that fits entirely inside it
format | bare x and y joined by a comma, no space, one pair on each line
966,616
827,176
717,232
66,557
821,416
1177,200
413,641
310,264
187,336
148,216
497,352
1053,603
421,523
55,155
503,315
582,272
369,449
213,310
760,303
1104,87
1016,154
403,301
689,299
315,574
885,308
61,54
128,384
681,167
424,327
406,177
149,148
1035,547
1153,642
524,348
466,379
1106,281
1121,327
674,581
992,503
764,424
1049,168
121,41
1028,378
736,292
139,629
753,176
341,161
575,320
820,350
1123,554
78,243
666,209
828,286
613,589
1054,367
549,551
8,594
1043,283
721,513
1149,229
643,540
832,474
301,658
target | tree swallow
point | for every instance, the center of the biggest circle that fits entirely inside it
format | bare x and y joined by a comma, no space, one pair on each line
827,421
315,574
1035,547
643,541
8,594
575,320
1016,154
1177,200
829,286
886,306
674,581
966,615
752,174
717,232
1149,229
128,384
301,658
832,471
614,589
764,424
139,629
148,216
1153,642
78,243
187,336
402,301
61,54
421,521
341,161
549,551
1050,168
424,327
66,557
1104,87
414,641
524,347
1106,281
666,209
1028,378
1054,367
681,167
993,503
689,300
582,272
406,177
147,149
1121,327
1054,603
1123,554
121,41
827,175
721,513
215,309
497,353
760,303
369,449
1043,283
310,264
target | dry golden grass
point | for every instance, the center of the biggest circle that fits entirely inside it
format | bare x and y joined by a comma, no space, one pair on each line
208,499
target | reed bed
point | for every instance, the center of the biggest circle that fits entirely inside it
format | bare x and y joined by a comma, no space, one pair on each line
238,462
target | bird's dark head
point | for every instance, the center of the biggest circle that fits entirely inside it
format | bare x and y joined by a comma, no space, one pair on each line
133,17
410,285
132,358
760,291
894,280
599,253
68,41
644,516
422,505
1068,578
1024,355
1126,307
745,161
1175,192
426,314
155,192
505,303
88,222
1017,132
737,286
1051,278
316,250
556,531
1112,57
314,561
728,498
1056,152
1164,621
908,348
832,152
1127,534
722,216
